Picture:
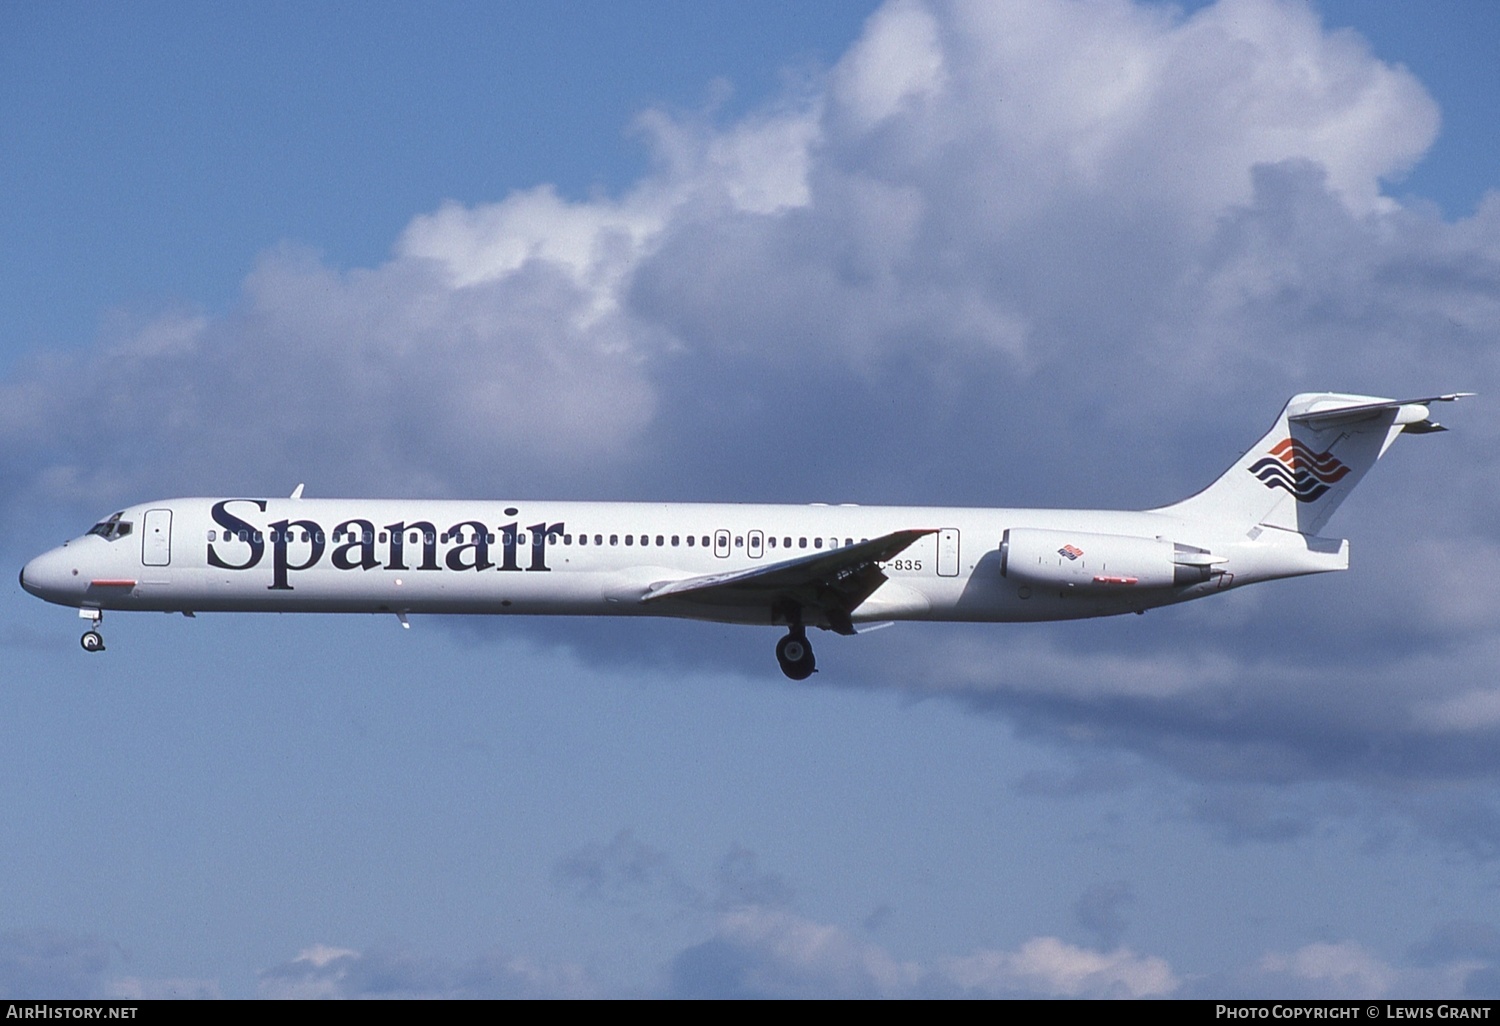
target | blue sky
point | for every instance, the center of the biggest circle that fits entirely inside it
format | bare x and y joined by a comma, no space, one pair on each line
1037,253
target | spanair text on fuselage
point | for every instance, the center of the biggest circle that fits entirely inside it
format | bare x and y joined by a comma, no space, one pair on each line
818,566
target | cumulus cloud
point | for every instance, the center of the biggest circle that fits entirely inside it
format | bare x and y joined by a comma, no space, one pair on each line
1043,252
763,953
1348,970
1049,967
326,973
759,952
756,952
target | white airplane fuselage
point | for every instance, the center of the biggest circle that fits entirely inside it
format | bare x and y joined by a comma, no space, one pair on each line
597,559
827,566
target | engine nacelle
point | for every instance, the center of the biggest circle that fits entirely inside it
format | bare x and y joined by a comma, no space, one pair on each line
1078,559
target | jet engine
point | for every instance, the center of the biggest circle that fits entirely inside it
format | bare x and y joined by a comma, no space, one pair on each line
1078,559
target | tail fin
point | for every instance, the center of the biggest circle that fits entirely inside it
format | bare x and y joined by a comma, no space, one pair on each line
1311,459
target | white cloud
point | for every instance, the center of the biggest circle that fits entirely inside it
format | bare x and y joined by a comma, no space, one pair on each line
327,973
897,63
763,953
759,952
1049,967
1344,969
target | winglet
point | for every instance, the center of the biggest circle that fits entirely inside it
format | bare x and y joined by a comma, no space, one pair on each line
297,492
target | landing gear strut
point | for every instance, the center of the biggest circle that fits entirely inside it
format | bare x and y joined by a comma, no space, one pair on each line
92,640
796,655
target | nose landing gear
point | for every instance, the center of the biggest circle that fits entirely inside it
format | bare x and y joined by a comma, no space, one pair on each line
796,655
92,640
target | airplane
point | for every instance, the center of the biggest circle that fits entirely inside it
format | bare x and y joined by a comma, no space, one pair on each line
842,568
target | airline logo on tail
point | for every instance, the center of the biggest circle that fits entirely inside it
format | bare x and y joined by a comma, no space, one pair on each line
1295,467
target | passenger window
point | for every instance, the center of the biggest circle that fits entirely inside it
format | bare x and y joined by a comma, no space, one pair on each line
801,543
614,539
660,541
628,539
817,543
599,539
674,540
210,535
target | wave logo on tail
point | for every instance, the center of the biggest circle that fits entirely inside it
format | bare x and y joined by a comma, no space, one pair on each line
1295,467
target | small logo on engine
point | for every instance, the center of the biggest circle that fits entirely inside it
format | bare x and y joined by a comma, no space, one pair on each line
1296,468
1070,551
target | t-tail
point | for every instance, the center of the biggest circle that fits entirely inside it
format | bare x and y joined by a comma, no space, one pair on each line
1317,451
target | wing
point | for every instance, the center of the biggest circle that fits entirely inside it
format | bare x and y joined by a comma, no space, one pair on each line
832,583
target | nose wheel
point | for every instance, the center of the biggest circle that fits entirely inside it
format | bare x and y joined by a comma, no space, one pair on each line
795,655
92,640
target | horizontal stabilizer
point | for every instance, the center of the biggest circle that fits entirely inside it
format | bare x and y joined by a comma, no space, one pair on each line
1412,413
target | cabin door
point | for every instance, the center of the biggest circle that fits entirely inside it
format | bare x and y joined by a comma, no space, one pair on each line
156,538
948,552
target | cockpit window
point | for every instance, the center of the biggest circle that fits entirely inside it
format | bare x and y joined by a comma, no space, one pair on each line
112,528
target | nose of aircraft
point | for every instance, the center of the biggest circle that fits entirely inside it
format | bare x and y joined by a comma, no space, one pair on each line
51,575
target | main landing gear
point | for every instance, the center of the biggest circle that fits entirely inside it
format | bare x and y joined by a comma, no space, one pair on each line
796,655
92,640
